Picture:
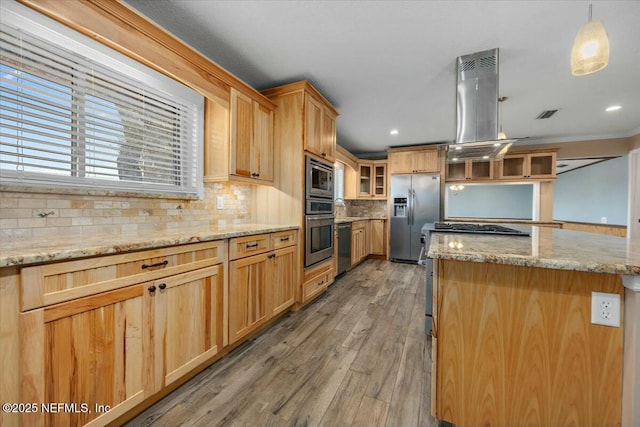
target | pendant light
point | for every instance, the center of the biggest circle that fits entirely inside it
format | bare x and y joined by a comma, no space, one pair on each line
501,134
590,51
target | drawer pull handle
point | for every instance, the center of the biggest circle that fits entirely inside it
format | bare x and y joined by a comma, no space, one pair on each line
322,282
284,239
162,286
252,246
272,256
158,264
152,288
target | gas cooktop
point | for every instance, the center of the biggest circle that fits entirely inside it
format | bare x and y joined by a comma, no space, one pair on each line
478,229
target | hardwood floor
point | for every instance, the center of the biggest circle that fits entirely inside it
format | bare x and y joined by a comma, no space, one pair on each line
357,356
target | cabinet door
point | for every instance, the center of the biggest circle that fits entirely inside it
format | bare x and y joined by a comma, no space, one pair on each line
542,165
93,350
377,237
401,162
247,295
313,126
281,278
513,166
262,150
241,133
187,322
379,185
365,178
328,135
425,161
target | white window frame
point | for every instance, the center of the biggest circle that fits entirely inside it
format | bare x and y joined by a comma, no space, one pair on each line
191,147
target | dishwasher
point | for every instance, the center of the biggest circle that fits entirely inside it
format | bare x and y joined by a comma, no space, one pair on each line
344,247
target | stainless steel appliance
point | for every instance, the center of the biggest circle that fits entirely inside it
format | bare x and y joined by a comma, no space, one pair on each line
318,180
344,247
318,238
415,201
453,227
319,218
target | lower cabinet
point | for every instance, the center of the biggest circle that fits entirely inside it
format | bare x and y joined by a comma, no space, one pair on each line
106,353
378,237
261,286
247,295
187,326
359,241
93,351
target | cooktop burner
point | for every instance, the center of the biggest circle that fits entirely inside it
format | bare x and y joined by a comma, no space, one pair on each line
478,229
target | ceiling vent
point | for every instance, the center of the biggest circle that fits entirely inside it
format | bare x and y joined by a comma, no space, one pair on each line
546,114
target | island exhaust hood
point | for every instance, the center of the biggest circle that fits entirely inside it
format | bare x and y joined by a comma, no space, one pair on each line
477,109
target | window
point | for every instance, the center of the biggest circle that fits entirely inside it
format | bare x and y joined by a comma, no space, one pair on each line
76,114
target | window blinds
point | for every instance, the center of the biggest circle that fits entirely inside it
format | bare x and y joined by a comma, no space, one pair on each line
76,117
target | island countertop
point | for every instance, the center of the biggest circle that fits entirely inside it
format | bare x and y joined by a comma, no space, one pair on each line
23,252
545,247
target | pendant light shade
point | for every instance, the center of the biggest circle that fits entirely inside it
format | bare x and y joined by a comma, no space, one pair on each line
590,51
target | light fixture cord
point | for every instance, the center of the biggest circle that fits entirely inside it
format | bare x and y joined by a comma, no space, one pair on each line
590,5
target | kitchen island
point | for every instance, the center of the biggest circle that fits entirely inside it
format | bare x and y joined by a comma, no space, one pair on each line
513,342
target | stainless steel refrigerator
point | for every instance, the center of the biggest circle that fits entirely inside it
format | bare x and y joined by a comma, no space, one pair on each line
415,200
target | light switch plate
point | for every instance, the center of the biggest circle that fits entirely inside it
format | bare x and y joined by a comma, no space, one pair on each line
219,202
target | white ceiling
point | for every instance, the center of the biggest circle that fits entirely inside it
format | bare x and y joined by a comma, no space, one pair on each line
391,64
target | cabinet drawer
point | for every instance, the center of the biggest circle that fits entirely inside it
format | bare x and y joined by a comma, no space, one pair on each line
283,239
240,247
54,283
358,225
317,285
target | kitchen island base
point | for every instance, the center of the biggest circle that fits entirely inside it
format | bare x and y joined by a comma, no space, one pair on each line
514,345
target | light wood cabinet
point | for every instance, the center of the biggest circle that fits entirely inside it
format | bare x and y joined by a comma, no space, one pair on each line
94,350
378,237
317,279
319,128
251,138
359,241
247,295
372,180
540,165
187,322
239,142
262,285
413,161
470,170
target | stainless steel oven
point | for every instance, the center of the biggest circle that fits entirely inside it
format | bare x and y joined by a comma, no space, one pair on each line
318,179
318,238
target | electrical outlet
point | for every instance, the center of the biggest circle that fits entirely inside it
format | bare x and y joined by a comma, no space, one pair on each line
219,202
603,219
605,309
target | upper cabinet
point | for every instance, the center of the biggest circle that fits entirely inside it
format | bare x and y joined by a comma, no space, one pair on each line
470,170
372,179
303,109
535,165
239,139
319,128
413,160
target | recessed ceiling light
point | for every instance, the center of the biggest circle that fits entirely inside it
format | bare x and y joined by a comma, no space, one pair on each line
394,132
485,157
455,159
614,108
497,144
458,148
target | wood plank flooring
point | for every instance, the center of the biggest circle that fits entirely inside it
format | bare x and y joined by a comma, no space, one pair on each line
357,356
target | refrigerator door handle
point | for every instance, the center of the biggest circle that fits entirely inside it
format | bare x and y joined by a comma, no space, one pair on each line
409,208
413,205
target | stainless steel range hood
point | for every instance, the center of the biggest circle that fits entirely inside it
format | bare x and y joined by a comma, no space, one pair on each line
477,109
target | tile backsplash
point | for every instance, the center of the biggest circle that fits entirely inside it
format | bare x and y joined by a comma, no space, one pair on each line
33,215
364,208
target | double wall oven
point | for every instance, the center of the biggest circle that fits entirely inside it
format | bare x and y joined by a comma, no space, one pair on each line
319,215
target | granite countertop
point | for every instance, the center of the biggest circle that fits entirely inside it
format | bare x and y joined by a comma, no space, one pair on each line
79,246
344,219
546,247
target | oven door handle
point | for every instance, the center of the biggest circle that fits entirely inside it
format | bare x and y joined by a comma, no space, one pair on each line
319,217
